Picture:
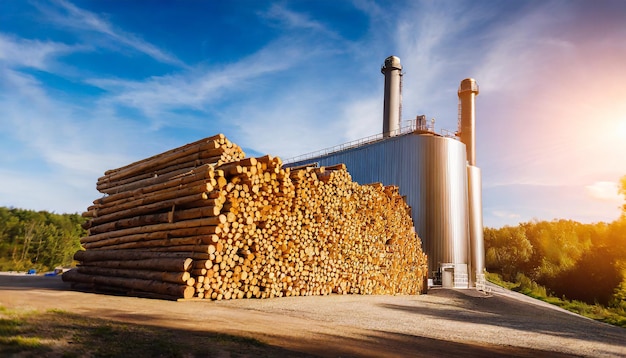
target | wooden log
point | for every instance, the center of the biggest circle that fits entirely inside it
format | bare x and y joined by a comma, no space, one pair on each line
247,162
190,160
158,287
128,255
188,178
143,179
199,244
188,249
172,277
185,236
304,166
162,218
154,264
218,138
146,180
150,208
163,158
154,197
172,228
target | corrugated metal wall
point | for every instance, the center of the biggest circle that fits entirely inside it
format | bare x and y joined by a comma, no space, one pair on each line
432,172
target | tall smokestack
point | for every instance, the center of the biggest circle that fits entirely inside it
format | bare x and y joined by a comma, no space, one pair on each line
392,69
468,90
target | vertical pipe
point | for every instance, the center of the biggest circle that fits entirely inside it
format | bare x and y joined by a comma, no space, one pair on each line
476,240
468,90
392,69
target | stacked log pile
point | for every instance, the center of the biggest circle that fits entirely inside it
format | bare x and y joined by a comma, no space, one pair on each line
204,221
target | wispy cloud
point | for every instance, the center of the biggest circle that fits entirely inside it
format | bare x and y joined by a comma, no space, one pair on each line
54,130
290,20
438,49
17,52
69,15
198,88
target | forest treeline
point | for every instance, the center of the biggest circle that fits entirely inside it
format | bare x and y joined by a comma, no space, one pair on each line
584,262
38,239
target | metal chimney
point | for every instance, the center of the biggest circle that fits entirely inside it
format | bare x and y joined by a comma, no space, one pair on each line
468,90
392,69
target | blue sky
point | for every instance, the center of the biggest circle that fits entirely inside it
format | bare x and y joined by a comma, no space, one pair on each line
87,86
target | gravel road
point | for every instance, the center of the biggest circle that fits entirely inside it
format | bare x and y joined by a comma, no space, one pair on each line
439,324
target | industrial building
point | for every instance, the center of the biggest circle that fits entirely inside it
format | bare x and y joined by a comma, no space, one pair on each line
437,174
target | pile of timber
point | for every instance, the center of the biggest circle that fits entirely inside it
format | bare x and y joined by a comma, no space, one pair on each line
204,221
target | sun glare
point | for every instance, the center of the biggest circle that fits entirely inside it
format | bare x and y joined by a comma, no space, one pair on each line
621,129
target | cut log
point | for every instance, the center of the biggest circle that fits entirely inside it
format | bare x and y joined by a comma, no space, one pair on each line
150,208
172,277
174,291
127,255
154,264
171,228
162,218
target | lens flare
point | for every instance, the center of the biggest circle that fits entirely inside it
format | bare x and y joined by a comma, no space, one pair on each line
621,129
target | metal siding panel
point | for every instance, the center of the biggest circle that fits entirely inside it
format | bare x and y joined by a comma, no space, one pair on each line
431,172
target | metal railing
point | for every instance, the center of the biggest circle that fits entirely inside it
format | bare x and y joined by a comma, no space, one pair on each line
410,126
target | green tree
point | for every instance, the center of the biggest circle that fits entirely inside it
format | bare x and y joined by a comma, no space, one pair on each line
508,249
43,240
559,246
586,262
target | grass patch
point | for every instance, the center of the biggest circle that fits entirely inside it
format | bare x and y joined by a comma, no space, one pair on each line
612,315
63,334
497,279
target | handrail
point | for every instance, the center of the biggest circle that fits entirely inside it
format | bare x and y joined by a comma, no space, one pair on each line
411,127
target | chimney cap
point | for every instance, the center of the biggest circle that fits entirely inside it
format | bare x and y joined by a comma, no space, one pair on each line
391,63
468,85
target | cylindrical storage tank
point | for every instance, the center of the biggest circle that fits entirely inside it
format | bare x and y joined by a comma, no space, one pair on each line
392,69
431,171
468,90
477,244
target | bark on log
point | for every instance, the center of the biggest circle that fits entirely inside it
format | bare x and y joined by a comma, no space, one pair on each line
152,219
186,236
127,255
197,175
172,228
149,164
172,277
163,288
150,208
170,193
154,264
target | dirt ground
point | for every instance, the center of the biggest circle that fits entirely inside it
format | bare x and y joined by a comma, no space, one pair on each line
441,323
